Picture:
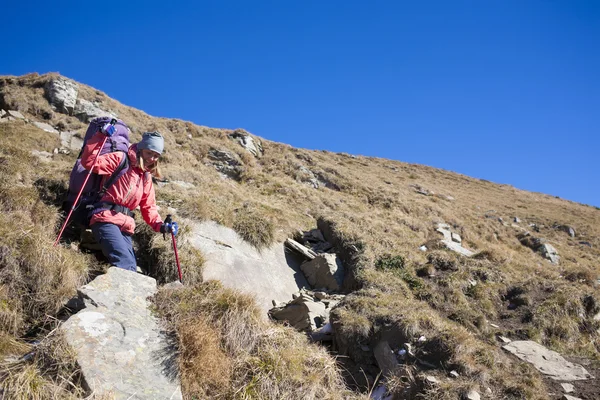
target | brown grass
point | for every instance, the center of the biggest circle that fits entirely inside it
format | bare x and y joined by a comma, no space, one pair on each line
372,208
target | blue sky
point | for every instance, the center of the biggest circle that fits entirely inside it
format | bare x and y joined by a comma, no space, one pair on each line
505,90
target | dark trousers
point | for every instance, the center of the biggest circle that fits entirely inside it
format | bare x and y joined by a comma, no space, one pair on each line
116,245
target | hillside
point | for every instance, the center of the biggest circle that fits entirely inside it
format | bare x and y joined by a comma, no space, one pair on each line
380,212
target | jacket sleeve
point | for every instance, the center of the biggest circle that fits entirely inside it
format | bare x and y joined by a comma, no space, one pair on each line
107,163
148,205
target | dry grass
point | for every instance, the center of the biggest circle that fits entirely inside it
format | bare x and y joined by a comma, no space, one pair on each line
227,350
373,212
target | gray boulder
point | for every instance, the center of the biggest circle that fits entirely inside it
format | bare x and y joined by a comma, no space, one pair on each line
118,343
85,111
452,241
62,94
71,141
549,252
304,313
248,142
226,162
548,362
14,114
45,127
324,271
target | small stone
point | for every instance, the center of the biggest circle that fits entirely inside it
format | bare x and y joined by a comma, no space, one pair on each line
189,136
504,339
517,220
472,282
422,339
567,397
494,326
453,374
567,387
432,380
45,127
15,114
488,390
423,248
409,349
55,151
473,395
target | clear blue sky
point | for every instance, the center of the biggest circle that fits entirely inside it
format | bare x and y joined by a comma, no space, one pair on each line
506,90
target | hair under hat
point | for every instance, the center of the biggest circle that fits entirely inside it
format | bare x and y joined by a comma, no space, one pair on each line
152,141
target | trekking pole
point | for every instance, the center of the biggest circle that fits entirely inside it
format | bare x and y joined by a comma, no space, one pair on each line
168,221
112,122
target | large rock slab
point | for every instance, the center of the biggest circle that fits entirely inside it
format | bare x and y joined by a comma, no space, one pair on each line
546,361
324,271
452,241
248,142
119,345
62,94
45,127
269,274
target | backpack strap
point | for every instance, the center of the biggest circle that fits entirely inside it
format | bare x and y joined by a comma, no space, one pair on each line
124,164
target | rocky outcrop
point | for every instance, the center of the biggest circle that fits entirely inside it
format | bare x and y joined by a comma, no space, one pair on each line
226,162
71,141
269,274
452,240
324,271
62,94
248,142
540,246
548,362
45,127
308,311
118,342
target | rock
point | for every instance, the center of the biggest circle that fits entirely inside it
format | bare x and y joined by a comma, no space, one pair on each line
303,313
432,380
422,339
504,339
423,248
456,237
386,359
516,220
45,127
43,156
567,397
448,241
549,252
71,141
271,273
567,387
324,271
488,391
472,395
409,349
14,114
62,94
494,326
117,332
567,229
421,190
226,162
248,142
546,361
85,111
472,282
2,113
453,374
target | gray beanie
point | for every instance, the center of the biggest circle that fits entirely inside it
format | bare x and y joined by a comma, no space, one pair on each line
152,141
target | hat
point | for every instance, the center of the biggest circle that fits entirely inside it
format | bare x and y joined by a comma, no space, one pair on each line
152,141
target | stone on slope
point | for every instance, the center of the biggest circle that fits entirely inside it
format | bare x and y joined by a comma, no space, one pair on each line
324,271
226,162
303,313
14,114
85,111
62,94
386,359
119,345
45,127
71,141
546,361
248,142
449,242
269,274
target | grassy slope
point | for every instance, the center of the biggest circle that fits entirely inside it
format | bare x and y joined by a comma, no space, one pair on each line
374,208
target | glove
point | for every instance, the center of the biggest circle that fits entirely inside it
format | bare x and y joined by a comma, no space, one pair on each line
170,227
109,129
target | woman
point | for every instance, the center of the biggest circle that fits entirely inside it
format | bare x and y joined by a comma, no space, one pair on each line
112,218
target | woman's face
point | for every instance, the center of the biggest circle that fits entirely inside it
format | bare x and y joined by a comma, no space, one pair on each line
149,156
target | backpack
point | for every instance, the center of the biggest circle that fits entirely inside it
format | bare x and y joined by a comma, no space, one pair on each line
97,185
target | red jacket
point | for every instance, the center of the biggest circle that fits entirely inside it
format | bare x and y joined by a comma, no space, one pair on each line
134,188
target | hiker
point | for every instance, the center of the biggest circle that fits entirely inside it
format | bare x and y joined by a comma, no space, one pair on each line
112,221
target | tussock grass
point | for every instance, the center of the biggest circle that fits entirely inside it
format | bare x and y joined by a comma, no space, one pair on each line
253,227
372,211
228,351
